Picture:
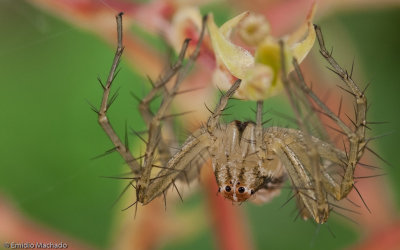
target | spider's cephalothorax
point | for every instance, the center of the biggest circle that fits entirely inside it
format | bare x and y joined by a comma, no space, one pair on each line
235,158
249,160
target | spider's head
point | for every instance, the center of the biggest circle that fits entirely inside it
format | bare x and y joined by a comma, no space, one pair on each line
235,191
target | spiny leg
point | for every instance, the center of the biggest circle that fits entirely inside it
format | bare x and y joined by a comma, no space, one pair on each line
160,86
356,137
105,104
154,120
259,129
303,183
213,120
260,145
322,206
188,159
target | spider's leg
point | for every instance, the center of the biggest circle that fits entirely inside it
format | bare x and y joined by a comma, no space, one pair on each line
261,149
105,104
213,120
187,160
154,120
313,157
303,183
356,137
259,128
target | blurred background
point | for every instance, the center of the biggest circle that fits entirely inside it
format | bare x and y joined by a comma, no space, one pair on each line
51,53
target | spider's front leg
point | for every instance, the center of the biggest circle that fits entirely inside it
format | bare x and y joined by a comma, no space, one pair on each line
292,148
311,170
155,140
106,102
214,119
303,165
147,187
325,157
173,167
356,136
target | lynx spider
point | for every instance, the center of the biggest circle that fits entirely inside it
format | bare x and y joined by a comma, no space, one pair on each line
246,157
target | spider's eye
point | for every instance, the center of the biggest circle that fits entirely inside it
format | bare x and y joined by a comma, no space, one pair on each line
252,191
228,189
241,189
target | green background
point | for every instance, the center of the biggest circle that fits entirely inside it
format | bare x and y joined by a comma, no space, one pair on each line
48,133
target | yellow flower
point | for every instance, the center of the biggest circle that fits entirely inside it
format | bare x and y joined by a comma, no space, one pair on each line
260,73
253,29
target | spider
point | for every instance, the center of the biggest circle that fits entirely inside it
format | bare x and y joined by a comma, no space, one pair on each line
247,158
